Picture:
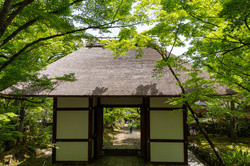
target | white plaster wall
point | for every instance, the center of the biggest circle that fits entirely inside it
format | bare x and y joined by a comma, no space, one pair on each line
166,124
72,151
72,102
167,152
121,100
161,102
72,124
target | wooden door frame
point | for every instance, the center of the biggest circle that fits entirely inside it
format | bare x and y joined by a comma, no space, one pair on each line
185,128
54,135
143,135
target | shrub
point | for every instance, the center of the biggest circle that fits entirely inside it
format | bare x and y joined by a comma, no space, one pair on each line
234,156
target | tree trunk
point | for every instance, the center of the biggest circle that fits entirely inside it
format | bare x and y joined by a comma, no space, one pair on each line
233,125
204,133
215,149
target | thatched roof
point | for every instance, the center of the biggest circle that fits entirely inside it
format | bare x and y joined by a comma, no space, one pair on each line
99,74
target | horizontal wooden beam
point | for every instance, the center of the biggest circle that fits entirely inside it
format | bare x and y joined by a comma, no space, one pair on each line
121,105
170,163
74,109
167,140
72,140
165,108
72,162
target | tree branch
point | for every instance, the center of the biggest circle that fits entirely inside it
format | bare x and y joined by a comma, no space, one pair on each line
54,36
20,98
29,23
4,14
11,36
197,18
203,131
209,66
245,21
17,11
13,15
226,67
3,56
117,10
175,39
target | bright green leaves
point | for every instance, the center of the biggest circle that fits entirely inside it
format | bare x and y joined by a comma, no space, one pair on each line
163,64
103,12
57,5
6,117
26,37
237,11
7,125
129,39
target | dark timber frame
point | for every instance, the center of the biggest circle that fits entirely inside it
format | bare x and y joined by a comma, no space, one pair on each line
90,135
143,127
145,130
184,140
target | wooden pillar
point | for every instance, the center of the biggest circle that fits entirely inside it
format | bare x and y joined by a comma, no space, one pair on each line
185,134
90,137
71,130
54,130
98,129
144,130
148,126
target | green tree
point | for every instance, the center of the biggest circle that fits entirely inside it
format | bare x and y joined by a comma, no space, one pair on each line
218,33
33,34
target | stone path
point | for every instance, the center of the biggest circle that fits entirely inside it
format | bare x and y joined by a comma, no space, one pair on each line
193,161
125,140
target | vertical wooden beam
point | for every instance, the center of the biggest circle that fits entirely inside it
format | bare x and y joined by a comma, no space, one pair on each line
54,129
90,135
148,127
185,134
100,127
143,130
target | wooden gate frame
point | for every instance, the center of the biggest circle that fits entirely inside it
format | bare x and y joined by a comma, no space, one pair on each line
145,120
143,125
90,135
184,140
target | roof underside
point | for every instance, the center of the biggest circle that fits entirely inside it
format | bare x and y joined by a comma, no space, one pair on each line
99,74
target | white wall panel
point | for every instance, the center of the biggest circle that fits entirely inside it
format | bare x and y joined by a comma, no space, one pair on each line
72,102
72,151
167,152
166,124
161,102
72,124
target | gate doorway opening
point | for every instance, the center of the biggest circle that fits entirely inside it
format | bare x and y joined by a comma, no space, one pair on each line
121,131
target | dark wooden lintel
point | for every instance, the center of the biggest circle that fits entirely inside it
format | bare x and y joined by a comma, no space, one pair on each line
167,140
72,140
165,108
72,109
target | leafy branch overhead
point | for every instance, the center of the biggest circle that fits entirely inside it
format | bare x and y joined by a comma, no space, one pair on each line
216,33
218,44
35,33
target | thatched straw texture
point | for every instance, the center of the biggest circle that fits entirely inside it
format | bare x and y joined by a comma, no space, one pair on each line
99,74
